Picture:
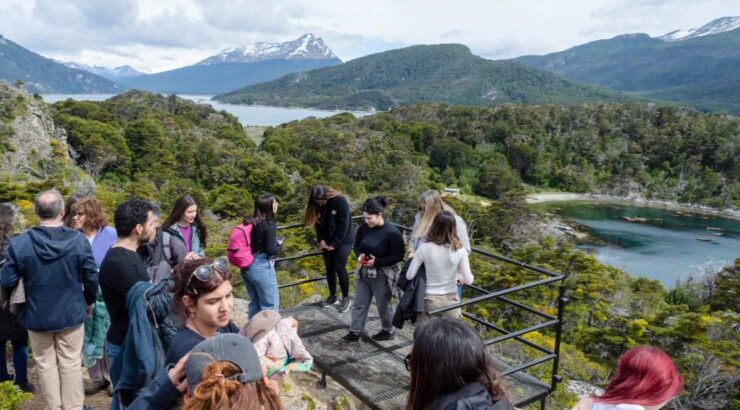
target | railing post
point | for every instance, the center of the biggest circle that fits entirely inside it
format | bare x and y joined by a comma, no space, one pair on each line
562,300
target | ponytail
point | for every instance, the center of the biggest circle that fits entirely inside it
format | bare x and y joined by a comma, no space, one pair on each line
218,391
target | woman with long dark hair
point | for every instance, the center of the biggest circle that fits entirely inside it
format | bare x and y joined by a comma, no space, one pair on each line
329,212
10,329
260,277
185,223
379,247
204,296
443,257
450,369
645,379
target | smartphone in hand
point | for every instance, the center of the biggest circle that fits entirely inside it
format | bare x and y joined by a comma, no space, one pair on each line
280,240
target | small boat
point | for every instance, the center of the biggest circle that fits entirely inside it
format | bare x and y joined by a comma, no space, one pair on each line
718,233
699,238
634,219
715,229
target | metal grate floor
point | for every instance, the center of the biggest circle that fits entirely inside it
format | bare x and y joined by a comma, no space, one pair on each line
374,371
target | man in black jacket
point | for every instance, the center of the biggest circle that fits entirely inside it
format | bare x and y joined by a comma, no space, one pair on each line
60,280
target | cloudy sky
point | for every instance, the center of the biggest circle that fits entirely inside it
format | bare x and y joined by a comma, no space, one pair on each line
156,35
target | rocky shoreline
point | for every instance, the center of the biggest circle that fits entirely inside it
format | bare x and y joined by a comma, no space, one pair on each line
543,197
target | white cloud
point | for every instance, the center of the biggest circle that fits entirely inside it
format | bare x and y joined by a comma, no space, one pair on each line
155,35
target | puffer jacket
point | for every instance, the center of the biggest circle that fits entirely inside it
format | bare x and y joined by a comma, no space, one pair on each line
96,329
143,350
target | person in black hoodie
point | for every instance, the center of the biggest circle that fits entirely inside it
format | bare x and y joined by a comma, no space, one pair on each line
451,370
379,247
260,277
330,213
60,278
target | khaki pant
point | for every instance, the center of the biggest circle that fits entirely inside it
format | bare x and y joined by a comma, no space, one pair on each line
432,302
58,358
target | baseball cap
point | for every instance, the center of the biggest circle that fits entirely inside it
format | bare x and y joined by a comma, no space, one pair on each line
231,347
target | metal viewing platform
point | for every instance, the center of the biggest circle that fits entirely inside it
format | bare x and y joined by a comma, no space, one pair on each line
374,371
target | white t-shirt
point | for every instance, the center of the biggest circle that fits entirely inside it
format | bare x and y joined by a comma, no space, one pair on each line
441,264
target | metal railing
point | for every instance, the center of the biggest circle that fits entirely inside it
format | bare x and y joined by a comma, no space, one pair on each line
483,295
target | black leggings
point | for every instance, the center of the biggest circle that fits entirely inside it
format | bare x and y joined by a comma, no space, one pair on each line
336,265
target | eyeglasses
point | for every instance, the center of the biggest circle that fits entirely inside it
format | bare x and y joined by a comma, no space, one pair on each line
421,209
407,362
204,272
80,214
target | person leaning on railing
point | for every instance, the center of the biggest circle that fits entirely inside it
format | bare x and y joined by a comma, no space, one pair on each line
329,212
443,256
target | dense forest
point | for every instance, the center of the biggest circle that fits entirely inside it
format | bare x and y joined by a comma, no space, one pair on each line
443,73
155,147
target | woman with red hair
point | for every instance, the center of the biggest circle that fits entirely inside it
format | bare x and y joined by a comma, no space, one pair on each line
645,379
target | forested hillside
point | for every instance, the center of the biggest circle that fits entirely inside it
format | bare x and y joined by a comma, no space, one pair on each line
442,73
700,72
155,147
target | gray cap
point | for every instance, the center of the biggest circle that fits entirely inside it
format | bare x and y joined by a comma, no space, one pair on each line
231,347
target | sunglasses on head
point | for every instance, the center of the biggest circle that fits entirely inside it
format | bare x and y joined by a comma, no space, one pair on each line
204,272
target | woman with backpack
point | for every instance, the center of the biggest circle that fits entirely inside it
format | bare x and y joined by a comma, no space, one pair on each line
184,223
260,277
329,212
443,257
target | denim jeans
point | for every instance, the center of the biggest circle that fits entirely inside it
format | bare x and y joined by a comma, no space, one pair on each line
20,362
114,352
261,282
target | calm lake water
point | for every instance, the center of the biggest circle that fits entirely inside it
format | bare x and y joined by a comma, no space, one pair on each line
665,245
247,114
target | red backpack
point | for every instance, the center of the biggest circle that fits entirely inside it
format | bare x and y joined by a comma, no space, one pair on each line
239,248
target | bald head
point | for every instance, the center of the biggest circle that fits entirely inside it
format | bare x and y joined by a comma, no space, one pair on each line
49,205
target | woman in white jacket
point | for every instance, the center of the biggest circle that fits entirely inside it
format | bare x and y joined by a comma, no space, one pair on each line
443,256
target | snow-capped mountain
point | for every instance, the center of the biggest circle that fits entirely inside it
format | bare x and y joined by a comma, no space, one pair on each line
716,26
307,47
110,73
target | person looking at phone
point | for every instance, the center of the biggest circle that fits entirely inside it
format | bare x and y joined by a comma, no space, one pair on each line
260,278
379,247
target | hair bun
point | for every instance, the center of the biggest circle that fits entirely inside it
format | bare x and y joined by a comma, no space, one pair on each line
381,200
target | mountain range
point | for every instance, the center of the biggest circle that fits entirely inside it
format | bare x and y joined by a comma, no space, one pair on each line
113,74
42,75
697,68
234,68
447,72
716,26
